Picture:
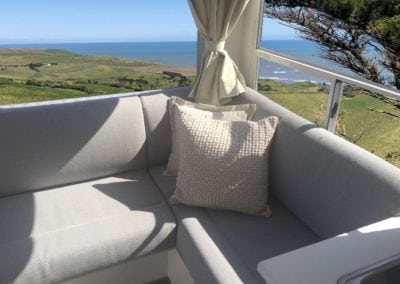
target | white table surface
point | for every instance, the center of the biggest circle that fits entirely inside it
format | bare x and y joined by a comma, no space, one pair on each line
326,261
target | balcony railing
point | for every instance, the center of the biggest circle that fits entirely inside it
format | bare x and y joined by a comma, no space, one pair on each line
336,79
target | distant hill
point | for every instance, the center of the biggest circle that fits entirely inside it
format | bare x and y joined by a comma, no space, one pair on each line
28,75
72,66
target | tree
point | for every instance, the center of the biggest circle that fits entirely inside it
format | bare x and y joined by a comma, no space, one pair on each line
362,35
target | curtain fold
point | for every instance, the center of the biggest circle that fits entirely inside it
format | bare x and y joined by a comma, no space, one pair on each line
219,79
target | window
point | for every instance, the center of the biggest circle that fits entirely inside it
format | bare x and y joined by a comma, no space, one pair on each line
47,54
312,55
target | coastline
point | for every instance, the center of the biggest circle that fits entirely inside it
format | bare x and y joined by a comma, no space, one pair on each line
182,55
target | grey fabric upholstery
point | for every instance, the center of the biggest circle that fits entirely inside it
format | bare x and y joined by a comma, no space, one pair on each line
53,235
47,145
330,184
225,247
155,109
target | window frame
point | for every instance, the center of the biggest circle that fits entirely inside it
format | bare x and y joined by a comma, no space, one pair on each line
337,79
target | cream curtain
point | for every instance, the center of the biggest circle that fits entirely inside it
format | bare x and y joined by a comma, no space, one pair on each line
219,79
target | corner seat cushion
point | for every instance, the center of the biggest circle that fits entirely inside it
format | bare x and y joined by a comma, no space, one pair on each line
58,234
226,247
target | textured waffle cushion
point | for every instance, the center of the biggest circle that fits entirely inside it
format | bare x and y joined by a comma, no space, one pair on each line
223,164
231,112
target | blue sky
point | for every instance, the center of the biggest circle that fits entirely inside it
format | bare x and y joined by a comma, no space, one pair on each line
60,21
273,29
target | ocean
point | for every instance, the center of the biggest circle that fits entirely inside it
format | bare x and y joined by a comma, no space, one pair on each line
183,54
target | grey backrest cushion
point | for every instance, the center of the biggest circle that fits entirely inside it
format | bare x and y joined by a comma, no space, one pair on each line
49,144
330,184
155,109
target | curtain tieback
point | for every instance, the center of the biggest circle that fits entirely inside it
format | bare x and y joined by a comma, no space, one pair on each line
216,46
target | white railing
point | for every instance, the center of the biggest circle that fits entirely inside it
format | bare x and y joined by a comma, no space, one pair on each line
336,79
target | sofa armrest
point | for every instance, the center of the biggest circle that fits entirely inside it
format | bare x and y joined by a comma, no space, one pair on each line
327,261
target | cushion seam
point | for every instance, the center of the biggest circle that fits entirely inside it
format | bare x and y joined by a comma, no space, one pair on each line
146,129
99,220
163,197
76,183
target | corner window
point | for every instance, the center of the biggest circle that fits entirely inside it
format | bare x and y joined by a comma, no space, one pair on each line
118,47
336,59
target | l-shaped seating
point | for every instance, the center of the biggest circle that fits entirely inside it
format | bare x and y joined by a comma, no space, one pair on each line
82,189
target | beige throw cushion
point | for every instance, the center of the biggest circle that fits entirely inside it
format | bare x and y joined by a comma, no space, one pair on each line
231,112
223,164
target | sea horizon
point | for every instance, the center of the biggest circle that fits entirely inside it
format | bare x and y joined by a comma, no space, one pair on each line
184,54
132,41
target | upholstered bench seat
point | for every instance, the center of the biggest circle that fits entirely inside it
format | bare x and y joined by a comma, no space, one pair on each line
60,233
225,247
82,191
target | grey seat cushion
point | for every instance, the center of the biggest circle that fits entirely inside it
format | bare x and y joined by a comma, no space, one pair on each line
54,235
225,247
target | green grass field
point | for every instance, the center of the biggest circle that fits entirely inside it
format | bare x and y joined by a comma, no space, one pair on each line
363,119
77,75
